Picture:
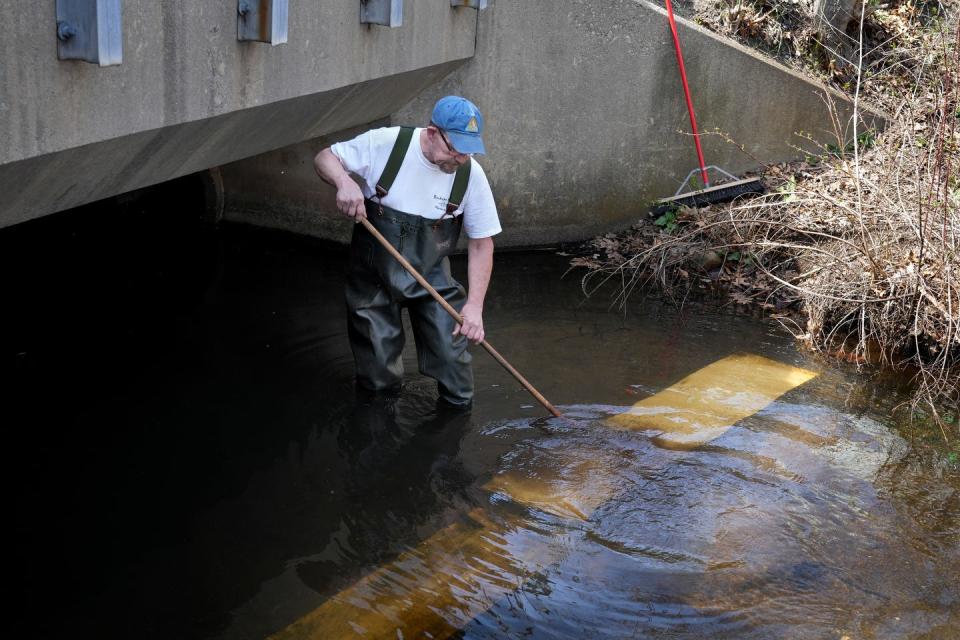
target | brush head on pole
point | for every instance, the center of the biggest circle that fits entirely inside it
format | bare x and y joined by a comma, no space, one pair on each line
711,195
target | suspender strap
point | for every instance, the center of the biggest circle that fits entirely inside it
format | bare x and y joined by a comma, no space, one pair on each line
394,161
459,187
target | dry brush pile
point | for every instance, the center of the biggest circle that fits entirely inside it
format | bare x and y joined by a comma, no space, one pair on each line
862,244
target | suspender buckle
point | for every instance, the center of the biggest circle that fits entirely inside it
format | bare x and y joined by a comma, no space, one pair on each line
381,193
450,209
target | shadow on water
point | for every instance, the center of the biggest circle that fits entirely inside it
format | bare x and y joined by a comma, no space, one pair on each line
188,458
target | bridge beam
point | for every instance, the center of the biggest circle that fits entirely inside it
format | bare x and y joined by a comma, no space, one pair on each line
188,95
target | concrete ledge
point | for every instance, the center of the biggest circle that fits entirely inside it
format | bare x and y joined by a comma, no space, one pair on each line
57,181
182,63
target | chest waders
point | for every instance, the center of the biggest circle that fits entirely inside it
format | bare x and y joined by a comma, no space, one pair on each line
378,289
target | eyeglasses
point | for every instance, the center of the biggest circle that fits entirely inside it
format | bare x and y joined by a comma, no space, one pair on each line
450,146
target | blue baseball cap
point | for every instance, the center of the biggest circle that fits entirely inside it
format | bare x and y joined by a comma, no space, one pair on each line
461,122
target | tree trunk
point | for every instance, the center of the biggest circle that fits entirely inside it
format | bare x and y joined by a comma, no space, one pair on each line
833,19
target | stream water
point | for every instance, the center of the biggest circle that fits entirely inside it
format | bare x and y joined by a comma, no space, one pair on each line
187,459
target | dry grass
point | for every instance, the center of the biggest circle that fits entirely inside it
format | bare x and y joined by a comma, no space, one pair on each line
865,243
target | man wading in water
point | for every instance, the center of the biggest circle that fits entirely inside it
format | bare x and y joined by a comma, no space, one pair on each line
418,188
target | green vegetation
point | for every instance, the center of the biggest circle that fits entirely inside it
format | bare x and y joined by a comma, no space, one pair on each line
668,221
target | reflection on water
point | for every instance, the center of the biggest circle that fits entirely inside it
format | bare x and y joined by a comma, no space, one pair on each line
192,462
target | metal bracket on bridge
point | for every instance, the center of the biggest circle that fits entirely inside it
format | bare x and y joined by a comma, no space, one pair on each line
262,21
479,5
386,12
90,30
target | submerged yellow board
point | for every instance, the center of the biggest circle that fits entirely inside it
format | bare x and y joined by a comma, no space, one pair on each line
457,574
702,406
428,592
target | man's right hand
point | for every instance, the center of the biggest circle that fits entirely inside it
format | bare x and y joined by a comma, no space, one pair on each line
350,200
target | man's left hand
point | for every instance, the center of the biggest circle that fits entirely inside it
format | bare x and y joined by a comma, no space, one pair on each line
472,326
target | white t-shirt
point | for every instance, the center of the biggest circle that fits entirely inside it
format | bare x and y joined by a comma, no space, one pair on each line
421,188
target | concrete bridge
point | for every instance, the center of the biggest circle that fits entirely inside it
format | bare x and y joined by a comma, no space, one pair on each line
584,108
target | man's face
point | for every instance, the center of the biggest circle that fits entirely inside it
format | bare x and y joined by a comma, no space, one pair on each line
445,156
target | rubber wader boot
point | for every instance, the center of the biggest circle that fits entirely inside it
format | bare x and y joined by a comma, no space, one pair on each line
378,288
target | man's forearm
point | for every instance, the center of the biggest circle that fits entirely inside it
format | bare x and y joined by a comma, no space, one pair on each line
349,195
329,169
479,268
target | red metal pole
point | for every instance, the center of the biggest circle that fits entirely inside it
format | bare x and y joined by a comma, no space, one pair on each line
686,91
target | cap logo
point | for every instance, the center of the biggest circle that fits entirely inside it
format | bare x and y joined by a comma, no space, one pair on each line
472,126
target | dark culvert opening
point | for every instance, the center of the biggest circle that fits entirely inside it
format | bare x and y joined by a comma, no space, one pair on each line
117,379
90,276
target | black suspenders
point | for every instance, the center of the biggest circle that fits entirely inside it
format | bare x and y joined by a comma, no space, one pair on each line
394,162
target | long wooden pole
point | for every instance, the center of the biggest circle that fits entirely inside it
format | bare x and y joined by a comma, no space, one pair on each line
456,316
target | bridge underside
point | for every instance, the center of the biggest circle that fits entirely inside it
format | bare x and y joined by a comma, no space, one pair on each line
53,182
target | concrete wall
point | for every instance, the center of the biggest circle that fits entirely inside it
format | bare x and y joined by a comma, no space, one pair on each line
189,95
281,190
584,113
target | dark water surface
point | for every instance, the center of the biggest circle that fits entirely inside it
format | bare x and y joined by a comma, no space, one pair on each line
187,459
